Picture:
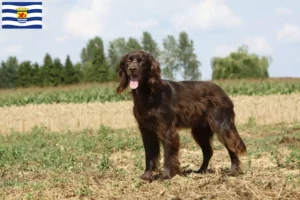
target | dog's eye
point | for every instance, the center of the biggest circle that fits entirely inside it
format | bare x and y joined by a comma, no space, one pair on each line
128,60
140,60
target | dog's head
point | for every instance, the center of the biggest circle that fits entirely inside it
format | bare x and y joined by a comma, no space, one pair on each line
138,68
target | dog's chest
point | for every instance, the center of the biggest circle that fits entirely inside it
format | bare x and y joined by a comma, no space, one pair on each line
147,108
145,111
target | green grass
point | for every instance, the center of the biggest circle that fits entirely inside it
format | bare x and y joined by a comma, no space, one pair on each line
77,151
63,151
73,95
106,92
261,86
34,162
27,159
271,138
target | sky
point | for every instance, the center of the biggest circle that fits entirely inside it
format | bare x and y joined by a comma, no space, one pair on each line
217,27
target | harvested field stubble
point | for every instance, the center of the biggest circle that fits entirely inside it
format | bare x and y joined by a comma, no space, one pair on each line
260,110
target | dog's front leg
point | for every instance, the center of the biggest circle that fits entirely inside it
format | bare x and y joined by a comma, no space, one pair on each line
171,144
151,146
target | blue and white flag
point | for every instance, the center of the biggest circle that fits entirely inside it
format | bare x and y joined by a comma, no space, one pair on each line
22,15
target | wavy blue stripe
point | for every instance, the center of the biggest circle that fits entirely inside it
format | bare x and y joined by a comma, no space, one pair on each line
21,3
21,27
15,11
28,19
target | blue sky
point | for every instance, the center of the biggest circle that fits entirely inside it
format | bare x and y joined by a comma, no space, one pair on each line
268,27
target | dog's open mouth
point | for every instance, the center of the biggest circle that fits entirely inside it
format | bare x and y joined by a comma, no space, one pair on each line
134,82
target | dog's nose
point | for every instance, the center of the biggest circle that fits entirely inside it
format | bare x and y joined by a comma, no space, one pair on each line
132,69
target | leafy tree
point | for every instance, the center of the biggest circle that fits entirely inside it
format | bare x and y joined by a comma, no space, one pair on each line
187,58
95,68
57,72
240,64
70,75
87,70
169,57
51,72
179,57
9,73
88,53
99,67
149,44
133,44
25,74
116,49
35,76
78,71
46,71
3,78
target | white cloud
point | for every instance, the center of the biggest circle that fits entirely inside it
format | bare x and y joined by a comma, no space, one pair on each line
258,45
86,18
224,50
289,33
8,37
60,39
283,10
142,24
3,37
207,15
11,49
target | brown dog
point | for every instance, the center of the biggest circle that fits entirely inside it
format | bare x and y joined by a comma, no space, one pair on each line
161,107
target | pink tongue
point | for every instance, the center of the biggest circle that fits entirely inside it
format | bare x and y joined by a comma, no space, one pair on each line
134,84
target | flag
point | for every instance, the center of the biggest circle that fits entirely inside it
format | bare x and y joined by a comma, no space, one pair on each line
22,15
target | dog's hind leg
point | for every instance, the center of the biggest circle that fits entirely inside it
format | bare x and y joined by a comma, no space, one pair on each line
230,138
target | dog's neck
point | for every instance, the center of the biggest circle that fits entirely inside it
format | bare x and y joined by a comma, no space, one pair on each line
144,93
144,90
148,92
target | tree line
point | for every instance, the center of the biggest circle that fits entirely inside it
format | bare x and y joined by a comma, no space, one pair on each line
177,58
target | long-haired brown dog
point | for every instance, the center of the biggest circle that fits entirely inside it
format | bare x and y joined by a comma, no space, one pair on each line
161,107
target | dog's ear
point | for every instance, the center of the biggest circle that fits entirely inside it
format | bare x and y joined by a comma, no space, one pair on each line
154,80
122,78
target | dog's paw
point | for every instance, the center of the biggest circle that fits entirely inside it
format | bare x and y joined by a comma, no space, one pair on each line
147,176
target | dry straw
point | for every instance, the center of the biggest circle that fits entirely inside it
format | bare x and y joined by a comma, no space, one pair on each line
261,110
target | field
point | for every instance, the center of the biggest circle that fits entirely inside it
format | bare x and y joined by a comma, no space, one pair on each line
81,142
86,93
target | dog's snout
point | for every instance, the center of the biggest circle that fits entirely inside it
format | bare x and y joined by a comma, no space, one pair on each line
132,69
